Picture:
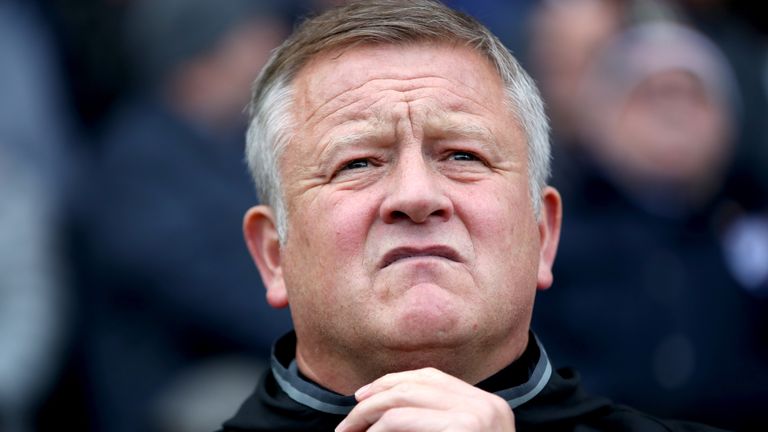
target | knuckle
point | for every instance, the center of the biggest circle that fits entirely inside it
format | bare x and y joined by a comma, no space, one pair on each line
471,421
392,419
500,404
404,388
430,372
499,411
487,413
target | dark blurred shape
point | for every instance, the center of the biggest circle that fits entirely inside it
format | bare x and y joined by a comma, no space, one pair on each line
506,19
94,65
34,165
644,302
321,5
171,297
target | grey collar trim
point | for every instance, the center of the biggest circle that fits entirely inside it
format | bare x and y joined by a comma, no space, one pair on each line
516,396
320,399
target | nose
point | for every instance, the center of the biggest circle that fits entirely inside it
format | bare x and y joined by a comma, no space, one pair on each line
416,193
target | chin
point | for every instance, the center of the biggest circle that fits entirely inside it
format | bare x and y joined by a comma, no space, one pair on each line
419,350
427,316
422,333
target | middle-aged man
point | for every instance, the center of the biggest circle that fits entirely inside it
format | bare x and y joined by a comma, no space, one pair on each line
403,154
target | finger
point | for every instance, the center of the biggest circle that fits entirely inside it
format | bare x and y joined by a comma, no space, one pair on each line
428,389
467,401
430,376
416,419
404,394
428,420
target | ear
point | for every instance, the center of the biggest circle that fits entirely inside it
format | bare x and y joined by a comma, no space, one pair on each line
260,232
549,234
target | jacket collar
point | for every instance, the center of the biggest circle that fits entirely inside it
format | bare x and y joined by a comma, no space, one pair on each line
517,383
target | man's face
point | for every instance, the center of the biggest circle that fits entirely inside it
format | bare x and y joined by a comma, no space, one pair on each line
672,129
410,225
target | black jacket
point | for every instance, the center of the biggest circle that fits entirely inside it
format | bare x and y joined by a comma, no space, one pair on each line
542,400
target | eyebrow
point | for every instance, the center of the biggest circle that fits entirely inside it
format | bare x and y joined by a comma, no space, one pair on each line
369,134
460,129
436,126
374,133
355,137
451,127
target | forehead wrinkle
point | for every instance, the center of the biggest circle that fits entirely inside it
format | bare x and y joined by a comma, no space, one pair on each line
365,112
404,85
461,104
457,117
460,125
333,98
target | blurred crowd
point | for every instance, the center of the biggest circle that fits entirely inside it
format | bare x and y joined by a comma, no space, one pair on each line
128,301
661,292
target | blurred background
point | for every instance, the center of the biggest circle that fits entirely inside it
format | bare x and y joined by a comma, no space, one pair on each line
128,301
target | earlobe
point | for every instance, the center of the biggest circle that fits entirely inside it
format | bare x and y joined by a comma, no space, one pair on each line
549,234
260,231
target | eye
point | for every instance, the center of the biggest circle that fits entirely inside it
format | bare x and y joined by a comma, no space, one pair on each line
356,164
463,156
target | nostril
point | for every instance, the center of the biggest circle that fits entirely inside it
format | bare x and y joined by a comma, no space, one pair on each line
439,213
416,205
397,214
417,217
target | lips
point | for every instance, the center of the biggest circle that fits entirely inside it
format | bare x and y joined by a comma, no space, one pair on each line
401,253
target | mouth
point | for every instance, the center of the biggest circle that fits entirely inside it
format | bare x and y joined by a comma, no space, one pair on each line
402,253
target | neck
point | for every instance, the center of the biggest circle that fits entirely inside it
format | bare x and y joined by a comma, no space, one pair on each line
344,373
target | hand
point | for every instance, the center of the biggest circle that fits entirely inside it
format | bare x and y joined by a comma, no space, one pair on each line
426,400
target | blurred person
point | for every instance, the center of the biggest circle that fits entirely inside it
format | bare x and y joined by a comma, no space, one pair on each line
167,282
662,105
402,156
738,28
34,165
662,323
506,19
564,36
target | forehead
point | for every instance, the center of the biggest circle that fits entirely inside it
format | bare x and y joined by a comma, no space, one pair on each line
335,77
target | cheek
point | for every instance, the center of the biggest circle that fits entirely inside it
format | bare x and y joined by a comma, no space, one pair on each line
503,231
348,217
326,244
494,214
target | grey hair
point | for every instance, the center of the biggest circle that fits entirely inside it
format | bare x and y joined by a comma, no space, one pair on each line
393,22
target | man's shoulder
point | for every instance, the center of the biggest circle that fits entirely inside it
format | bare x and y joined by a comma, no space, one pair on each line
269,409
623,418
563,405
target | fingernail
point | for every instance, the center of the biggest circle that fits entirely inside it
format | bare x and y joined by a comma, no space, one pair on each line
361,391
